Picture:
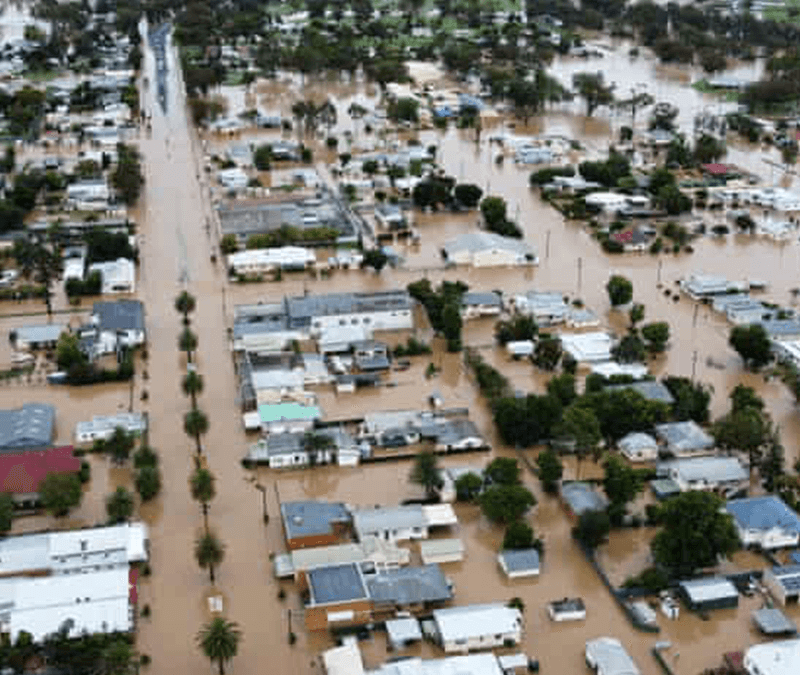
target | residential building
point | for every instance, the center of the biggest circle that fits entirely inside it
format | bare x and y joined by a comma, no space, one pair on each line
450,475
308,524
88,194
371,553
568,609
784,583
476,627
21,475
297,449
381,310
609,369
684,439
115,325
102,427
264,260
699,285
446,429
233,179
371,356
782,329
287,417
390,217
519,563
547,308
766,522
44,336
725,475
441,551
403,632
709,593
119,276
478,304
589,348
30,427
773,658
638,447
401,523
263,328
772,621
487,249
651,390
607,656
414,589
580,498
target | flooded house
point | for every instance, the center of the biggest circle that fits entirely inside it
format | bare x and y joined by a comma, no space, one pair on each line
263,328
308,524
102,427
450,475
476,627
709,593
772,621
233,179
580,498
295,449
607,656
371,356
88,195
519,563
35,337
588,348
765,522
699,286
740,308
283,417
638,447
547,308
262,261
650,390
118,276
446,430
390,217
487,249
441,551
30,427
773,658
684,439
724,475
22,474
114,326
402,523
476,304
783,582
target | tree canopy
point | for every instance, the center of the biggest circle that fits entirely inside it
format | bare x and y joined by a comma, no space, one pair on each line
506,503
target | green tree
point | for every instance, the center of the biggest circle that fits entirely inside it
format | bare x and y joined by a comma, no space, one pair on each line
187,342
467,194
375,258
127,178
6,513
468,487
621,484
493,210
262,157
518,327
752,344
506,503
452,324
195,424
119,446
743,397
229,244
119,505
656,336
747,430
219,639
708,149
696,532
502,471
69,354
403,109
148,482
550,470
117,658
630,349
591,88
563,388
548,352
203,489
144,456
592,528
518,535
691,399
185,304
41,264
772,466
209,552
426,473
580,426
192,385
60,492
620,290
636,313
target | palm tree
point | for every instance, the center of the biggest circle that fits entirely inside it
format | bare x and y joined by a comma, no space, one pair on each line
192,385
203,490
195,424
219,640
208,551
185,304
425,472
187,342
39,263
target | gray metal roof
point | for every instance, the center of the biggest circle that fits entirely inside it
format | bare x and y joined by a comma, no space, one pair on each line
581,498
719,469
476,242
610,657
41,333
31,426
480,298
788,576
709,589
333,304
305,519
650,389
521,560
763,513
402,631
772,621
119,315
684,436
337,583
409,586
371,521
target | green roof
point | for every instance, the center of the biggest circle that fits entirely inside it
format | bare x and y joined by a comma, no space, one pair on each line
276,412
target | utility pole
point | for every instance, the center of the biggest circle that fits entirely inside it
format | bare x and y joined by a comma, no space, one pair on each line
660,263
694,364
694,318
547,245
580,268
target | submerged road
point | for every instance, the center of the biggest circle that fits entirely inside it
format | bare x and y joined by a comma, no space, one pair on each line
176,249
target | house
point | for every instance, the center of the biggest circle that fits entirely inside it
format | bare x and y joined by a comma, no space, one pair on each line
709,593
401,523
607,656
781,329
390,217
299,449
773,658
684,439
21,475
101,602
119,276
725,475
43,336
568,609
446,429
632,240
263,328
30,427
477,304
698,286
409,588
287,417
766,522
784,583
381,310
371,356
403,632
308,524
476,627
264,260
638,447
64,552
233,179
651,390
580,498
609,369
519,563
487,249
450,475
594,347
88,194
441,551
372,553
772,621
102,427
546,308
117,325
608,202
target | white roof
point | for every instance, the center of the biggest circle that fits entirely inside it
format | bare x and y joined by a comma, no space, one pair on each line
344,660
436,547
277,379
475,242
439,515
610,657
119,271
96,602
637,441
713,588
370,549
463,623
774,658
371,521
130,422
472,664
710,469
588,347
284,255
610,368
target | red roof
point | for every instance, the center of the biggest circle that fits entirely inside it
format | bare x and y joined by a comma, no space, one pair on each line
22,473
716,169
133,591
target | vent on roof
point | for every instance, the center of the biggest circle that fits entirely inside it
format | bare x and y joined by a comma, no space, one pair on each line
297,520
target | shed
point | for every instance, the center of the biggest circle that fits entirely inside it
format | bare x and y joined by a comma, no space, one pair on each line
520,348
441,551
709,593
38,337
518,563
568,609
402,632
588,347
772,621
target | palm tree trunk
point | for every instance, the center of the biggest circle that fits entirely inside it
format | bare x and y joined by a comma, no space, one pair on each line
205,516
199,447
211,572
221,666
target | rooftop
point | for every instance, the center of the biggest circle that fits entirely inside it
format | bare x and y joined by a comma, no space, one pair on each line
22,474
582,497
306,519
336,584
611,657
650,389
764,513
463,623
409,586
520,560
775,658
717,469
710,588
119,315
684,436
772,621
41,333
371,521
30,426
471,664
284,412
332,304
475,242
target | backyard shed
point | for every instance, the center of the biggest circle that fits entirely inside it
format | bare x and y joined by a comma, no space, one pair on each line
520,563
709,593
441,551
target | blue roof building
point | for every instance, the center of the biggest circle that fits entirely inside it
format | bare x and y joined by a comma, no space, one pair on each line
766,522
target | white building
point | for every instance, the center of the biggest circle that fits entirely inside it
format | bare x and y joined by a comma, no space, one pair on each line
639,447
592,347
261,261
440,551
718,474
487,249
401,523
233,179
609,202
475,627
607,656
116,325
101,427
765,521
382,555
290,450
88,194
547,308
774,658
119,276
